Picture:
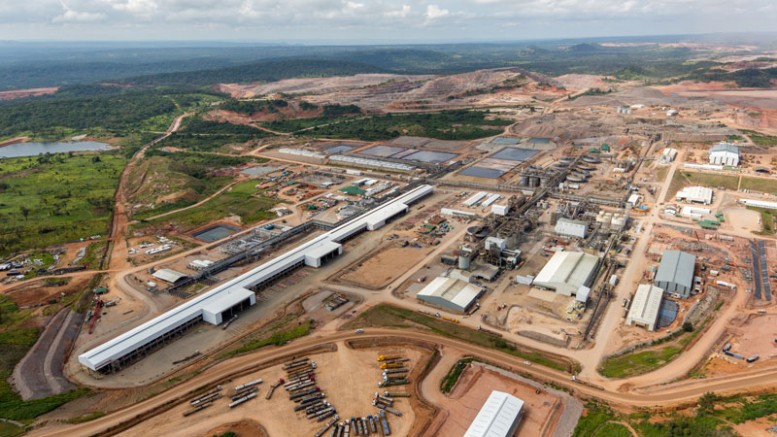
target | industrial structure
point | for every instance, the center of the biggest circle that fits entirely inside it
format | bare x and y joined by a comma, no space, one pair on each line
645,307
499,416
450,294
695,195
571,228
220,304
675,273
724,154
566,272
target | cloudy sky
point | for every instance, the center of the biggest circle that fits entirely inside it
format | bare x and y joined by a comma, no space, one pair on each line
356,21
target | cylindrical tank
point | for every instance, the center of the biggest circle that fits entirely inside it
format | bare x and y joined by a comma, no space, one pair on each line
567,160
591,160
463,262
544,181
534,181
524,180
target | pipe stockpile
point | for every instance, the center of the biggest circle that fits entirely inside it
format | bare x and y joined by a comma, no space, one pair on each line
244,392
396,394
239,401
206,396
302,389
272,388
249,384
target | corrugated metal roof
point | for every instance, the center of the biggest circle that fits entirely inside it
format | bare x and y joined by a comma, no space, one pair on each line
223,293
497,416
568,270
646,304
725,147
677,267
169,275
457,292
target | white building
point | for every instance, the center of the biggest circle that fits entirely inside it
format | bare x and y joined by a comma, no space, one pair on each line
571,228
565,272
221,303
645,306
633,201
694,212
500,209
450,293
499,417
724,154
695,195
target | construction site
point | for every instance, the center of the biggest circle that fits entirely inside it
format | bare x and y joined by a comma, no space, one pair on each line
338,287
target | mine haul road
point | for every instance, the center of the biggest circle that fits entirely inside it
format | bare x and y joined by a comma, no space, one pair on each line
669,395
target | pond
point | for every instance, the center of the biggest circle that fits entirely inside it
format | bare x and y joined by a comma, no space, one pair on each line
33,149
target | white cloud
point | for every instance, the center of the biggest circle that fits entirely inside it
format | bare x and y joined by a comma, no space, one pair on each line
70,15
141,8
434,12
399,13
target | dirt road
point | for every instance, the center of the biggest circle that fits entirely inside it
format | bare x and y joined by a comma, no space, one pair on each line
225,370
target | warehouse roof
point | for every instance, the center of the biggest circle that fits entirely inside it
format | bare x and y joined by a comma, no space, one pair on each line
459,293
700,194
677,267
646,304
725,147
497,417
233,290
569,269
169,275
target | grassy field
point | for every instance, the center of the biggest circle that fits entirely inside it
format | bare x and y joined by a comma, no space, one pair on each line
241,200
450,379
683,179
168,181
661,173
761,139
53,199
15,340
277,338
601,421
623,366
767,220
391,316
760,184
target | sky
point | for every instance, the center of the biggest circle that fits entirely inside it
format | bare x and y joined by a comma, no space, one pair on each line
365,21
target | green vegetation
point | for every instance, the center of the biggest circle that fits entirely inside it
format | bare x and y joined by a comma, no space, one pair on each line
391,316
450,379
249,107
763,185
741,409
201,135
189,176
445,125
644,361
768,224
683,179
86,417
600,421
747,78
622,366
53,199
62,115
278,338
226,434
15,341
761,139
241,200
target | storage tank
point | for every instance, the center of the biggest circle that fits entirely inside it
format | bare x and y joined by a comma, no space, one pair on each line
524,180
534,181
591,160
567,160
464,262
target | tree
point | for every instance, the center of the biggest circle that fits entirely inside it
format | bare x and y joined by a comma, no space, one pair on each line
707,403
25,212
687,327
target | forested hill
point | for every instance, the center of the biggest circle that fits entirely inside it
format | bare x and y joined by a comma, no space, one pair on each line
261,71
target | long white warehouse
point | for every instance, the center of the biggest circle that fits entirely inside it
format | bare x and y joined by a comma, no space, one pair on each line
218,305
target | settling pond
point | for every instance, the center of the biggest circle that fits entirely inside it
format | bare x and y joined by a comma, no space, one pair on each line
33,149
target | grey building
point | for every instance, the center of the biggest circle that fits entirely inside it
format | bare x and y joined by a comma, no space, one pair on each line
675,274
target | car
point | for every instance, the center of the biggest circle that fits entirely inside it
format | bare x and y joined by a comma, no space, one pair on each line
360,331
